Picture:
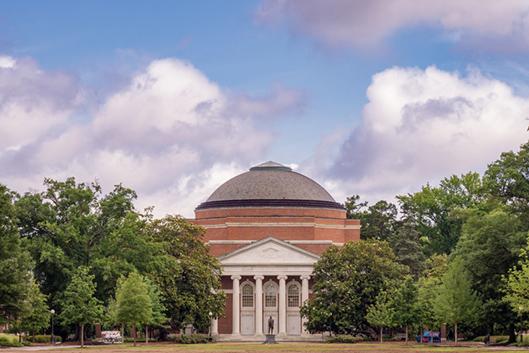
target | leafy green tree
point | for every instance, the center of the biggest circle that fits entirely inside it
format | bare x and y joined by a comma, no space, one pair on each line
347,280
407,247
517,285
189,279
404,302
432,210
125,248
457,302
489,247
158,317
379,221
381,313
133,302
36,315
15,262
507,180
428,288
79,305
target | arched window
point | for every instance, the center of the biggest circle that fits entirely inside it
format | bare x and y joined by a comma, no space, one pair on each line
270,295
293,295
247,296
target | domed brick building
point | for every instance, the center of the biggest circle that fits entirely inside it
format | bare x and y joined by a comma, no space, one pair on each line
268,227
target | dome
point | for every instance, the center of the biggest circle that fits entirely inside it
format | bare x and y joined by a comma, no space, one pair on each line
270,184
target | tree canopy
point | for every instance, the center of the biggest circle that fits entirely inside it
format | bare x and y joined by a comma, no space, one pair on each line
347,281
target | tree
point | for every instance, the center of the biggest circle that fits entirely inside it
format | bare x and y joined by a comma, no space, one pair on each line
72,224
517,285
489,247
15,261
507,180
428,289
406,246
133,302
456,301
158,309
432,210
379,221
189,278
36,315
404,302
79,306
347,280
382,313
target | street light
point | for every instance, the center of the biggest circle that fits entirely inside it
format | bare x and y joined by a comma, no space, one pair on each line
209,330
52,311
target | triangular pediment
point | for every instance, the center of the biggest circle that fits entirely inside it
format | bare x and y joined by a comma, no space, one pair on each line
267,252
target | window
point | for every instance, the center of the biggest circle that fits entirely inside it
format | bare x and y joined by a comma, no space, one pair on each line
270,296
247,296
293,296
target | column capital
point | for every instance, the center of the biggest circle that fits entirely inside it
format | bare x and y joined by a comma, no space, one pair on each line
280,277
234,277
256,277
307,277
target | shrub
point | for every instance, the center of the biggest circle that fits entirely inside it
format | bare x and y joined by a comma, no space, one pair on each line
189,339
42,339
344,339
493,339
7,340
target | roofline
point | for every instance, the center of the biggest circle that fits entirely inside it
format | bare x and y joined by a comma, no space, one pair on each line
265,240
270,203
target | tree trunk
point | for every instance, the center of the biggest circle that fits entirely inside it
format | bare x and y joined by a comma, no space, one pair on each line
381,332
406,339
146,334
512,334
82,335
134,335
455,332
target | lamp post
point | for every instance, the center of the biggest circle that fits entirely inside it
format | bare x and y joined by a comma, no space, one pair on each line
209,330
52,311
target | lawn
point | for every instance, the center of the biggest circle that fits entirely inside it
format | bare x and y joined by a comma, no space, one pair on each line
282,347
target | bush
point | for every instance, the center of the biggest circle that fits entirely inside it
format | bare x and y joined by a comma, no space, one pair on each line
7,340
42,339
493,339
344,339
189,339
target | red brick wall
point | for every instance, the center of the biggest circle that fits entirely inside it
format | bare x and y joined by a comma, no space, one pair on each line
225,321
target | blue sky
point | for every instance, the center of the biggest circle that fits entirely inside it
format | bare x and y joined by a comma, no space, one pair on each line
294,80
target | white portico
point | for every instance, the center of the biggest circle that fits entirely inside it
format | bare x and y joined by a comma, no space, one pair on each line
269,277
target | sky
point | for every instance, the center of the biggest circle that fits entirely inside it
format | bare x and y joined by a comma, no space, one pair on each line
172,98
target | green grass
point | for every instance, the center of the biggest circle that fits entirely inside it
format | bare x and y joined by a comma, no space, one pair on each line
233,347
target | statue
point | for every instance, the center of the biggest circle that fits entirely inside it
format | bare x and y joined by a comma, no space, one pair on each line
270,325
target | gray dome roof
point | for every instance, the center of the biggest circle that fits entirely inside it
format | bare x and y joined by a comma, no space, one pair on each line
270,181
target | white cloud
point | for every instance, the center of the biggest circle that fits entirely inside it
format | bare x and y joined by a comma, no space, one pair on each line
7,62
367,23
33,103
172,134
422,125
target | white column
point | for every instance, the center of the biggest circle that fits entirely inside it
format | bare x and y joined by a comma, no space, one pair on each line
214,327
236,314
258,305
282,306
304,298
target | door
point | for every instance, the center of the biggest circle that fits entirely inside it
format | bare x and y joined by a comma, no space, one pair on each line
293,324
247,323
247,309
